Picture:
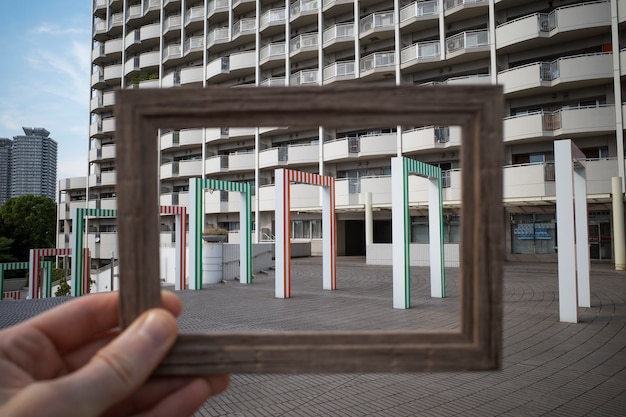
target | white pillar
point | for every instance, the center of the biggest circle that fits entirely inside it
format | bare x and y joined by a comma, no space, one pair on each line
399,228
568,297
369,220
582,237
619,241
435,243
282,280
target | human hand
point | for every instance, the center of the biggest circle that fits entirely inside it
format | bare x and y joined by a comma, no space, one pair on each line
72,360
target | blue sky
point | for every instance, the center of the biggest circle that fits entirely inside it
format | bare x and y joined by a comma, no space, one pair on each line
45,73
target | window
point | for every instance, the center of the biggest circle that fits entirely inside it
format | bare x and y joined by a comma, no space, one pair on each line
533,233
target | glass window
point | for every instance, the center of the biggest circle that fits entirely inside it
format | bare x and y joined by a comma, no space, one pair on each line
533,233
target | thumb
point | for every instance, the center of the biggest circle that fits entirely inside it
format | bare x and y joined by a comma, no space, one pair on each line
118,369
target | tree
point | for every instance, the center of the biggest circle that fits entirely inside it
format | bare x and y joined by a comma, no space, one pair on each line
30,221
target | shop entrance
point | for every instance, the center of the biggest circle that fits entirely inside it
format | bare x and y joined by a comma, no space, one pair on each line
600,240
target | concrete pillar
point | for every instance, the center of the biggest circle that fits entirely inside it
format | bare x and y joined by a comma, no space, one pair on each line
369,220
619,241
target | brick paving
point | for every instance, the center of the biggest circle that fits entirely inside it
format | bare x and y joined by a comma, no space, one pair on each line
549,368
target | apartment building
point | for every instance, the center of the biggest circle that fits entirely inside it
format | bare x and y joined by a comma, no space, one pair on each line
562,64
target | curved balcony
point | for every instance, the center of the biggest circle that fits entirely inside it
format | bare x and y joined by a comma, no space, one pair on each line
190,138
194,18
273,82
169,170
244,29
243,6
241,161
303,47
339,71
419,14
360,146
567,122
577,21
291,155
102,128
273,21
218,36
378,65
103,179
218,69
190,168
377,26
303,12
175,198
272,55
304,77
217,8
338,37
430,138
581,70
193,47
216,164
191,76
469,45
172,25
242,63
337,7
102,102
421,54
457,10
172,52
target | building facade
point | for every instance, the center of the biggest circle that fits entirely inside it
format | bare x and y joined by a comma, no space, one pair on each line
29,165
562,65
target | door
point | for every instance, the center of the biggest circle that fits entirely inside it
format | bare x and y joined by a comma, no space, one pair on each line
600,240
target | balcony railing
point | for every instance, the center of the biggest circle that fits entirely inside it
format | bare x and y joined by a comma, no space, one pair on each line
419,9
345,30
339,69
244,26
273,50
376,21
303,6
134,12
172,51
304,77
217,6
378,60
272,17
194,14
172,22
217,35
194,43
273,82
450,4
467,40
421,50
307,40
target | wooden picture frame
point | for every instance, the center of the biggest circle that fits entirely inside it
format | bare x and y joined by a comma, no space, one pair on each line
477,109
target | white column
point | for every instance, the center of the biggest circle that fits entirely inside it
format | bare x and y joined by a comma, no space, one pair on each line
369,220
281,243
398,229
327,233
435,243
568,298
619,241
582,237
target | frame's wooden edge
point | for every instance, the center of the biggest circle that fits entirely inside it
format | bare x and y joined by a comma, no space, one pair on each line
474,108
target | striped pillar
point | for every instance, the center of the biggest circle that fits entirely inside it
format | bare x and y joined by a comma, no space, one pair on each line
34,271
10,266
196,224
181,244
401,168
283,178
16,295
46,287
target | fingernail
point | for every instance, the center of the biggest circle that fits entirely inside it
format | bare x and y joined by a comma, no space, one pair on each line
157,328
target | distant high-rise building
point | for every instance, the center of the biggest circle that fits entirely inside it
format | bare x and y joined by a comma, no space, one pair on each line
5,169
33,164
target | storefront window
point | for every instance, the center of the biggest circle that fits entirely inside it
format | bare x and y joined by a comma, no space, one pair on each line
533,233
451,229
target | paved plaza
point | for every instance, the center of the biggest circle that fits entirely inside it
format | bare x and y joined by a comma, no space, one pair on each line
549,368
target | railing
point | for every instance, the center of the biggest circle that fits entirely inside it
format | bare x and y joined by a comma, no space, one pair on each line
273,82
345,30
151,4
116,20
354,144
450,4
304,77
376,21
219,34
283,154
354,185
272,50
172,51
194,13
134,12
196,42
378,60
243,26
217,5
306,40
419,9
467,40
303,6
421,50
273,16
173,22
339,69
442,134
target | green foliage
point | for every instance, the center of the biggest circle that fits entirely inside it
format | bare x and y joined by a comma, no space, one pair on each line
6,245
64,288
30,222
143,76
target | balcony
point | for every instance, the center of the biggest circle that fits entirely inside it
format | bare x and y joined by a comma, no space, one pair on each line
169,170
217,36
242,63
244,27
304,46
457,10
430,138
103,179
216,134
272,21
217,68
190,167
420,54
303,12
272,54
291,155
172,51
216,7
378,65
195,14
175,198
574,69
134,12
102,128
567,122
584,19
193,44
216,164
357,146
468,42
151,6
171,79
172,23
419,14
241,161
339,71
338,37
377,26
191,76
304,77
238,133
116,20
113,74
103,101
273,82
190,137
